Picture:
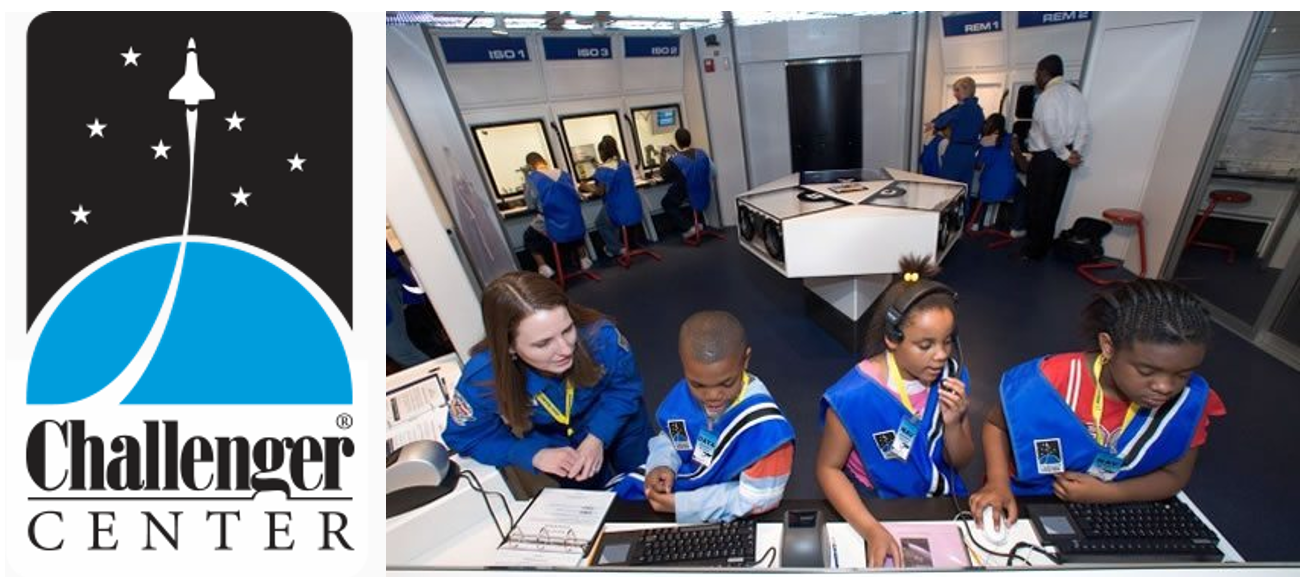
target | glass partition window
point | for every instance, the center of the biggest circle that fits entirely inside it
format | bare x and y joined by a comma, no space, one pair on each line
504,149
582,135
656,128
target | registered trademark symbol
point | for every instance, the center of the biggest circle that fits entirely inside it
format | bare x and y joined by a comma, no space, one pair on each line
344,421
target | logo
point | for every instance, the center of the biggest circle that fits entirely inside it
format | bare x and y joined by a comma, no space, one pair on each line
1049,456
680,437
191,377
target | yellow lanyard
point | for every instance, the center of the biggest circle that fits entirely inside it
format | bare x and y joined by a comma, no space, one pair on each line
744,382
565,417
1097,406
898,381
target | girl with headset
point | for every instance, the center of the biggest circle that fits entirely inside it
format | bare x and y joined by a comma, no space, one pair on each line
896,424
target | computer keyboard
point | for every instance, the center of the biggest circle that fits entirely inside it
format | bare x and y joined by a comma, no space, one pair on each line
709,545
1150,531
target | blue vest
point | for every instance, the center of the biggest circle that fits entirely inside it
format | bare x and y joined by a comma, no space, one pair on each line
930,159
620,198
746,433
561,206
1037,417
698,173
867,410
998,172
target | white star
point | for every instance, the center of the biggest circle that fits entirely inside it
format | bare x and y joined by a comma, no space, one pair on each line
79,215
241,195
160,150
234,122
297,162
130,57
97,129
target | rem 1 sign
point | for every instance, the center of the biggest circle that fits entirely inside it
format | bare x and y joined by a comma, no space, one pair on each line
578,48
466,50
1038,18
972,23
652,46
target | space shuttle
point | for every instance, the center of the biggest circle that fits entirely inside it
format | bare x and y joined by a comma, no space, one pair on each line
191,89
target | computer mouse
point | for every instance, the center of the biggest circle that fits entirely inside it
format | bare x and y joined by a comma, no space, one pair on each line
417,464
995,531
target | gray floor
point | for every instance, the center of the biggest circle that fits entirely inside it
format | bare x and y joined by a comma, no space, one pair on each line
1247,478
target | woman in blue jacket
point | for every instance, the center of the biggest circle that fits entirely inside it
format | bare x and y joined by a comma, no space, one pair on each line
964,123
553,388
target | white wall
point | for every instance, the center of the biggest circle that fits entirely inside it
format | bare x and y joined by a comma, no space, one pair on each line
446,147
723,117
1154,88
419,218
885,45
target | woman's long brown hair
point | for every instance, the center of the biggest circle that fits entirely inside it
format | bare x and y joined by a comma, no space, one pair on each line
504,304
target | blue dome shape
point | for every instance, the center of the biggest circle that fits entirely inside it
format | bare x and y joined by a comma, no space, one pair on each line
241,331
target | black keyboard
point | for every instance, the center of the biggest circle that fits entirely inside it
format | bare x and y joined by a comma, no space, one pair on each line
710,545
1151,531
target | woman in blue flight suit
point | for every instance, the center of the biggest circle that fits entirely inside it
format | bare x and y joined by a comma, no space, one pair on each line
615,183
553,388
964,122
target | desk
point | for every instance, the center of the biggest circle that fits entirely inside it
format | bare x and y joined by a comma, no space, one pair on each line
457,531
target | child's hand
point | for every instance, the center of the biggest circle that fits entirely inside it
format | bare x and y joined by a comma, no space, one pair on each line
881,544
659,480
1082,488
662,502
953,400
997,495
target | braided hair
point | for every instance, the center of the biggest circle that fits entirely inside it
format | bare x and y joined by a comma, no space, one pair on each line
1149,311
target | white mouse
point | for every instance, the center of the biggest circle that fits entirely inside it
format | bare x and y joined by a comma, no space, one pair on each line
996,532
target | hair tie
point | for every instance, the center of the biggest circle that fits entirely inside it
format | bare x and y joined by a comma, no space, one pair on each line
910,277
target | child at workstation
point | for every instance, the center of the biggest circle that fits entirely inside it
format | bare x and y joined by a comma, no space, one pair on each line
896,424
553,194
724,449
998,181
1138,411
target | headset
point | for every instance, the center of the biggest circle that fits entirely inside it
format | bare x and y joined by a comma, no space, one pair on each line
897,311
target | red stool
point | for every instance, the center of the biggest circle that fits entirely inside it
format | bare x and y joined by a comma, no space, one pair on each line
627,255
1127,217
700,232
1004,239
1215,197
563,275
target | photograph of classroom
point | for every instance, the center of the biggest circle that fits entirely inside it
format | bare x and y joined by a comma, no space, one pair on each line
833,290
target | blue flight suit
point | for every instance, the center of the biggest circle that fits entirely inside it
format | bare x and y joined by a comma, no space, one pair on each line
964,121
613,410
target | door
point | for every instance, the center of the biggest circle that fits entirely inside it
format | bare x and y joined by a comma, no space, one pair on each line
826,113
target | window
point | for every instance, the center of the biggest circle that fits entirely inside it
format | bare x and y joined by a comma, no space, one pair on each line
582,134
504,149
1023,109
656,129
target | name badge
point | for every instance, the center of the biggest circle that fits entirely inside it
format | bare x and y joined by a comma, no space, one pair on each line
885,443
705,446
904,437
1105,467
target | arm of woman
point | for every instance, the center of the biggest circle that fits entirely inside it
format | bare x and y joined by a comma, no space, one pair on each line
474,428
833,451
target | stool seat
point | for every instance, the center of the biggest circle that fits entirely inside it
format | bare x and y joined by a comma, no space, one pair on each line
1231,196
1124,216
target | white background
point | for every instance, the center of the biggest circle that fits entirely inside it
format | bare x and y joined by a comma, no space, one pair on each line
366,529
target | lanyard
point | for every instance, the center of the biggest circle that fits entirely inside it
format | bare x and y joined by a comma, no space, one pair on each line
565,417
1097,406
898,381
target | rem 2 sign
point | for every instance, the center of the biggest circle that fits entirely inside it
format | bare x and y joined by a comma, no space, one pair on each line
1031,19
972,23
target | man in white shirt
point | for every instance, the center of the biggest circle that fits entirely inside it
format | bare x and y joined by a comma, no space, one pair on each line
1060,127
